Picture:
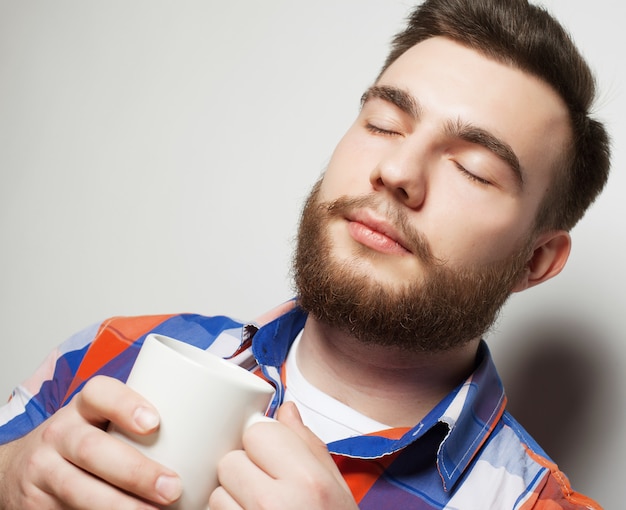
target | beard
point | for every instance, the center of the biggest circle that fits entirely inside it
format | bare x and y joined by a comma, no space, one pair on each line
439,309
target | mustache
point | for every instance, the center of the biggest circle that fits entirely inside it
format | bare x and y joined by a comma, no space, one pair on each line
412,239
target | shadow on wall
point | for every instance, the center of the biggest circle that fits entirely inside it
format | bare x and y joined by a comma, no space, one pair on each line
562,387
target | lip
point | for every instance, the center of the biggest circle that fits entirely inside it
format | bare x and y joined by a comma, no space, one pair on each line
369,229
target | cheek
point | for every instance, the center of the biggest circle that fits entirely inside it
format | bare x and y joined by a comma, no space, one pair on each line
465,231
348,170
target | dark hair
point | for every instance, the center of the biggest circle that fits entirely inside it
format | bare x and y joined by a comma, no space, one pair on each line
529,38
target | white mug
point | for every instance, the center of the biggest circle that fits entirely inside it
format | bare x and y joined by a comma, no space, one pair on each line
205,403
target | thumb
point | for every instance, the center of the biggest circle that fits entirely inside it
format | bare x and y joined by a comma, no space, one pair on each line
289,416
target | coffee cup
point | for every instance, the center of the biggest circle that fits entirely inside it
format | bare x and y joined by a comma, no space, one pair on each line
205,403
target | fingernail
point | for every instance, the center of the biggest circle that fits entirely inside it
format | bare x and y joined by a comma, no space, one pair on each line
169,487
146,418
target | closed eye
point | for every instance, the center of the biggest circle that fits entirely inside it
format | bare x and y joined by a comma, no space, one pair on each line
378,130
472,177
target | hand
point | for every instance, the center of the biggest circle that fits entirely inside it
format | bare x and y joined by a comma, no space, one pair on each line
283,466
69,461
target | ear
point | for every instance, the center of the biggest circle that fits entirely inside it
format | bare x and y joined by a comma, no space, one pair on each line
548,258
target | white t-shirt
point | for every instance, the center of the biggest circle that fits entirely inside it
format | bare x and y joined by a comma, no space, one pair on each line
328,418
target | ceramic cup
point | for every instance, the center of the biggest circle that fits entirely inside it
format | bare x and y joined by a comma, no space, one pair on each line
205,404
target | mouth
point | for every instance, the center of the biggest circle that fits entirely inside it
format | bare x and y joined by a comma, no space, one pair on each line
376,233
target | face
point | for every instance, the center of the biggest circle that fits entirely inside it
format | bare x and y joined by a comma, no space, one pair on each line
431,195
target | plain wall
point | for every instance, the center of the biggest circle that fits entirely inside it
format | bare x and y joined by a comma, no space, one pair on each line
154,156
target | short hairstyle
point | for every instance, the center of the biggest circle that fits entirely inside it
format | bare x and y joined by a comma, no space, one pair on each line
527,37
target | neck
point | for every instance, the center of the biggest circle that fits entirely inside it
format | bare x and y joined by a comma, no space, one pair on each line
391,385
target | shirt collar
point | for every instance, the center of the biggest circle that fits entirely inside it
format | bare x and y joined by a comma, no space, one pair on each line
470,412
471,417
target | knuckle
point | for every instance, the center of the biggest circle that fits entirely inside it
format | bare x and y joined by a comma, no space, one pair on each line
34,464
255,432
140,475
53,430
22,484
33,500
226,463
267,501
64,488
321,490
218,499
86,448
296,497
91,389
139,470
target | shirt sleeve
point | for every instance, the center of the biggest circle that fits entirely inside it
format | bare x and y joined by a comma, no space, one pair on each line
43,392
556,493
108,348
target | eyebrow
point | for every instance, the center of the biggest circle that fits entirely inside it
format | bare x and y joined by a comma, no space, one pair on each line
478,136
398,97
457,129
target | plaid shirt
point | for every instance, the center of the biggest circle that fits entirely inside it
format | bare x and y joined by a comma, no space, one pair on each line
467,453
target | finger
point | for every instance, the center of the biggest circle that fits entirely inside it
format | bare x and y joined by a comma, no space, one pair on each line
243,482
289,415
221,500
283,454
19,478
105,399
121,465
73,488
279,470
105,455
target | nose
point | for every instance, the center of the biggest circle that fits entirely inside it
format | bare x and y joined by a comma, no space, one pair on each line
402,173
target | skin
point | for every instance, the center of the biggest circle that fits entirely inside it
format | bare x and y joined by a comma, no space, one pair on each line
474,204
41,470
412,158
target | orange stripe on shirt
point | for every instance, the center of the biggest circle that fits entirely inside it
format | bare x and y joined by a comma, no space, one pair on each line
113,338
556,493
395,433
361,476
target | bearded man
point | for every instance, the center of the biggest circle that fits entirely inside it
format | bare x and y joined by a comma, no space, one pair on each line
472,157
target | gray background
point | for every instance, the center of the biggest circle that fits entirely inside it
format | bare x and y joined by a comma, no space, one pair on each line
154,156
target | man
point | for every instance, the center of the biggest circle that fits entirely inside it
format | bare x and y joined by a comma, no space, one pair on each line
471,159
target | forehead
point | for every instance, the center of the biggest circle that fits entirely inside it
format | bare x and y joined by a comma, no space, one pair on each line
451,82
